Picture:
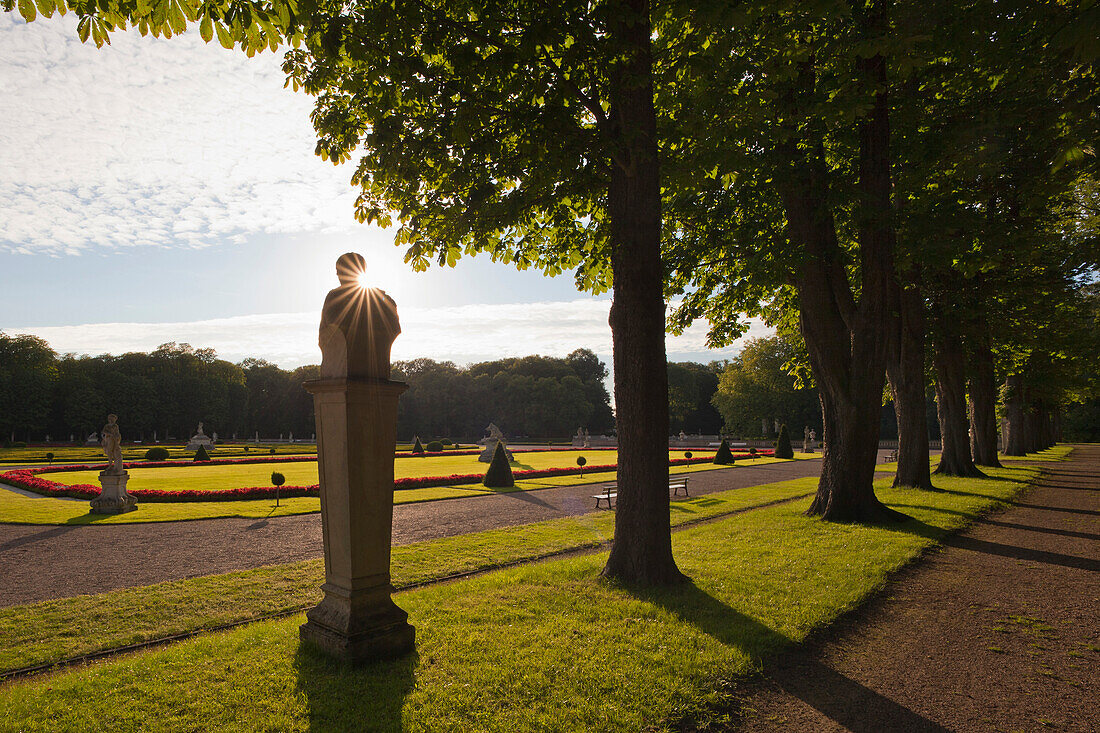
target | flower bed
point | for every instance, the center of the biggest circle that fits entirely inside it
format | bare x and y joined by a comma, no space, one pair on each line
27,478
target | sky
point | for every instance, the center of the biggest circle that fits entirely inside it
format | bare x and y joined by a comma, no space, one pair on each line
167,190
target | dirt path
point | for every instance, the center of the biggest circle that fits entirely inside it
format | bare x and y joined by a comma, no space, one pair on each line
42,562
998,631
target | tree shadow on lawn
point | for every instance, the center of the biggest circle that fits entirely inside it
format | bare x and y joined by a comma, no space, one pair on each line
800,674
345,697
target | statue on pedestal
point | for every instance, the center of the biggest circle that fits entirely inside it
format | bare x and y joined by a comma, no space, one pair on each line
494,436
355,405
200,438
113,498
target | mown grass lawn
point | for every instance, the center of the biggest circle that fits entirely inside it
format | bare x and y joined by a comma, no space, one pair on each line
200,477
20,509
45,632
546,646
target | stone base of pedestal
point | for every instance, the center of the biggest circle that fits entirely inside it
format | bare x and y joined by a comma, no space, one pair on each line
807,447
113,498
360,627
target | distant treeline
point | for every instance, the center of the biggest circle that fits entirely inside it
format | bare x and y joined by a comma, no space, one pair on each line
166,392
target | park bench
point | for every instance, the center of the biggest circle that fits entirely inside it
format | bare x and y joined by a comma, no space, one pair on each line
676,484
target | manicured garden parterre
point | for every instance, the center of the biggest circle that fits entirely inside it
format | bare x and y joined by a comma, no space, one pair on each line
538,647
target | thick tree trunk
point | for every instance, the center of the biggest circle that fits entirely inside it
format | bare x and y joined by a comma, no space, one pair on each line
642,550
905,368
983,402
949,359
847,342
1015,418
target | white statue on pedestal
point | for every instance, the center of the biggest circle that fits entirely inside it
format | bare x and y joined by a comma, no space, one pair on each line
113,498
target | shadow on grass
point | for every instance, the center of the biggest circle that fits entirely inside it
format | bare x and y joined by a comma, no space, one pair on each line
88,518
343,697
834,695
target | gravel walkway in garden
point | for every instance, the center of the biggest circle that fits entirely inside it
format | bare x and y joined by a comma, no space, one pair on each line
998,631
39,562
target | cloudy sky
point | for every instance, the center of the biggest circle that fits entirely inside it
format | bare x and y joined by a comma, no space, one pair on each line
166,190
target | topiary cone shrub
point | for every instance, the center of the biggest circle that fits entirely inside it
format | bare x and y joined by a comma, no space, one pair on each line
417,447
499,475
724,456
201,454
783,444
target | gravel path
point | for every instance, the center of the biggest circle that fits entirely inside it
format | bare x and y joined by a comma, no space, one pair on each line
41,562
999,631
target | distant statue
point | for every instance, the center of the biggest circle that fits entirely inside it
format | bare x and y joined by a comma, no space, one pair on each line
214,436
358,325
112,447
806,433
291,438
813,435
200,439
490,442
93,437
580,432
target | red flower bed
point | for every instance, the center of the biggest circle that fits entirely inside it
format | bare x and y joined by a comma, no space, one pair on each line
25,478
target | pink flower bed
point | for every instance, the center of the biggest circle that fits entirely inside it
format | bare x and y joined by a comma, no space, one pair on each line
27,478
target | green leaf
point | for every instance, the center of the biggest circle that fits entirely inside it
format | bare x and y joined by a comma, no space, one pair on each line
84,27
225,38
206,29
26,9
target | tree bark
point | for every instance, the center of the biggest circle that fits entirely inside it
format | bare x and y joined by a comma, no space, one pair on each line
1015,420
983,401
949,359
642,549
905,369
846,342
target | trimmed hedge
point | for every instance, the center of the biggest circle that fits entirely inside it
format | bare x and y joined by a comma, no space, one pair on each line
499,475
783,444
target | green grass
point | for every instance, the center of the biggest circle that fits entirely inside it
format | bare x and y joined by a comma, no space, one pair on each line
546,646
200,477
94,453
1056,453
19,509
45,632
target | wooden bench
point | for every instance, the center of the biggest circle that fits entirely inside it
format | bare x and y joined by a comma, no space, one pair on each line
676,484
610,491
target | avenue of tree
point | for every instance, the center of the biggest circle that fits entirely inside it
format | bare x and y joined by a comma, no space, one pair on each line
905,183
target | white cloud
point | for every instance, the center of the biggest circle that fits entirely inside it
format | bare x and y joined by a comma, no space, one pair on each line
153,142
461,334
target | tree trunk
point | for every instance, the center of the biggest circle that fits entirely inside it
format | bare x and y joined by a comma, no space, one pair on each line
983,401
642,550
1015,419
905,368
949,359
846,342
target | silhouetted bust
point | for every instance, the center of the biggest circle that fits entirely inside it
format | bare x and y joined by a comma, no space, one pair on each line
358,325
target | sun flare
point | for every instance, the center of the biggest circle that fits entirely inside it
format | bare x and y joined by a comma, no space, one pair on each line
361,280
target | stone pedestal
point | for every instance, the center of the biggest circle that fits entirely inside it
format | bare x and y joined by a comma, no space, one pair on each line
356,435
113,498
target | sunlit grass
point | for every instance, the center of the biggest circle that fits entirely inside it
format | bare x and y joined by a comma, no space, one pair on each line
45,632
547,646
